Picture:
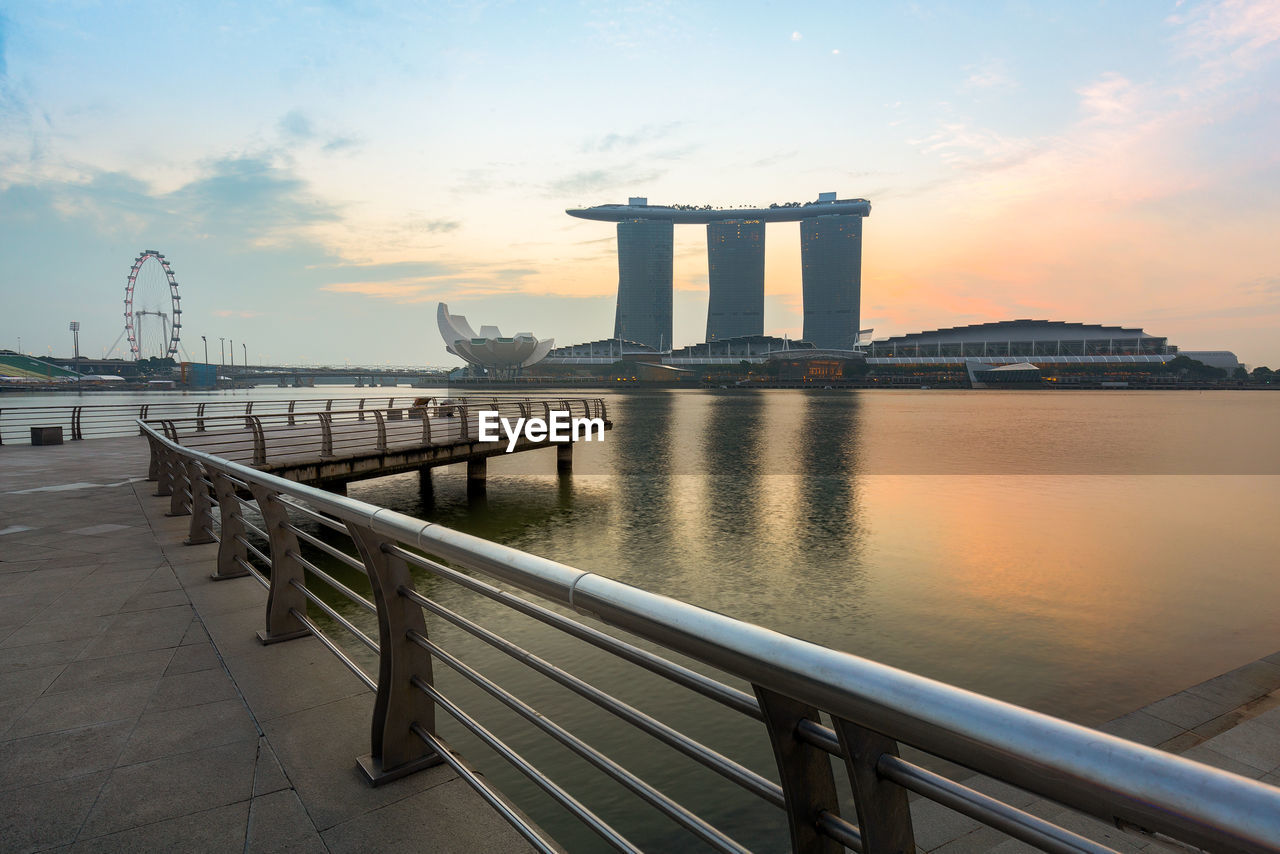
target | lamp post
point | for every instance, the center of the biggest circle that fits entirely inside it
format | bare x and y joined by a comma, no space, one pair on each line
233,351
245,349
75,335
206,349
222,349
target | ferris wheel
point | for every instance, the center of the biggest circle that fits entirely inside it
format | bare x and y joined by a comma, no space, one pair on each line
152,291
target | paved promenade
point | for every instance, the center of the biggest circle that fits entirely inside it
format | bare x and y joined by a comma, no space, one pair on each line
138,712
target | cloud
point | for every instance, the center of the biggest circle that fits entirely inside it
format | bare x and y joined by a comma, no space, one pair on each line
231,312
296,128
1230,36
621,141
1110,98
589,181
795,36
992,74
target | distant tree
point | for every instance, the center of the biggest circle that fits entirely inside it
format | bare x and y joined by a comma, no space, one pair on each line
1263,374
1185,366
1240,373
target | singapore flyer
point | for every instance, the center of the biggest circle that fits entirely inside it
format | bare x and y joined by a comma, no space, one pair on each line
152,292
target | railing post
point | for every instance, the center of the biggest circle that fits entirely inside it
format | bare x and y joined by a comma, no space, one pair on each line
283,597
805,771
395,750
231,548
142,416
326,434
200,418
153,467
382,430
291,404
178,503
201,507
360,409
463,426
75,423
254,423
884,818
426,425
164,473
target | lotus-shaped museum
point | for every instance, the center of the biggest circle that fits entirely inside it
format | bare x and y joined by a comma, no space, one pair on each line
489,349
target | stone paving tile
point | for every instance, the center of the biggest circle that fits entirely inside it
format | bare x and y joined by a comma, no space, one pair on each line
319,746
1241,685
57,629
92,704
443,820
980,840
268,776
1141,727
193,657
10,711
114,668
278,822
1187,710
1206,754
234,633
195,633
28,683
173,786
291,676
196,688
221,829
163,628
1252,743
13,659
169,732
935,825
40,817
61,755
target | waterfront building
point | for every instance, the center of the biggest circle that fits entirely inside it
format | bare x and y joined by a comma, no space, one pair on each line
490,351
735,279
831,252
644,282
1026,340
831,279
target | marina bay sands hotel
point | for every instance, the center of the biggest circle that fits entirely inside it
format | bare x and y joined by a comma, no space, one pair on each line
830,257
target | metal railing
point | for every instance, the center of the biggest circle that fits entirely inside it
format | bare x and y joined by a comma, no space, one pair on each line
92,421
828,715
262,439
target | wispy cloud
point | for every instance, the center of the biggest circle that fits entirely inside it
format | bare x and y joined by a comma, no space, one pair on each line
992,74
588,181
795,36
1229,36
621,141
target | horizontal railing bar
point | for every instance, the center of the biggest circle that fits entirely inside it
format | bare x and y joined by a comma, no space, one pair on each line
335,649
691,679
334,583
336,524
559,795
338,618
252,548
834,827
253,571
337,554
692,822
673,738
819,736
995,813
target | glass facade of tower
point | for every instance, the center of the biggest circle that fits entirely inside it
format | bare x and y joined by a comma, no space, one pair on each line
735,272
644,282
831,277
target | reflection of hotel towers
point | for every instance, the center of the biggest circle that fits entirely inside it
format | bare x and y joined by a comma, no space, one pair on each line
830,254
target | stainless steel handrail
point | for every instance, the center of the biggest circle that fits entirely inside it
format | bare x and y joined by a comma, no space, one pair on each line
872,707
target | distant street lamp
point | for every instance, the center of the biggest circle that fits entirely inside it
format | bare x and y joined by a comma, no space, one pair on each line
245,348
206,349
75,335
233,351
222,348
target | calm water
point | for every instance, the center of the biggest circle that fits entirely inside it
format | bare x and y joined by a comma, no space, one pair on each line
1080,553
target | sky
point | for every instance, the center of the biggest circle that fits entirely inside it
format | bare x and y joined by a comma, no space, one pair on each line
321,174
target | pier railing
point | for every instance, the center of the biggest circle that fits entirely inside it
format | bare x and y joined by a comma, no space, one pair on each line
92,421
833,720
265,438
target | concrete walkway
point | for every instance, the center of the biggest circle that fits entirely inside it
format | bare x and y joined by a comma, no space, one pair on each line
138,712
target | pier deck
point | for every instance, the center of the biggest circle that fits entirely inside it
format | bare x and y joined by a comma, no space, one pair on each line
138,711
